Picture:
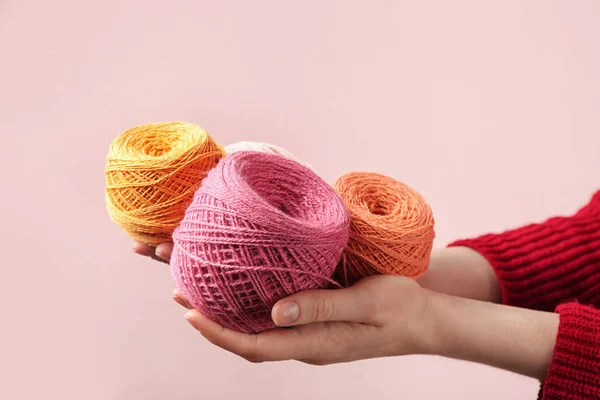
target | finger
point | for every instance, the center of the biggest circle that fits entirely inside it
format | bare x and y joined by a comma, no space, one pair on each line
179,299
142,249
161,253
273,345
349,304
157,258
164,251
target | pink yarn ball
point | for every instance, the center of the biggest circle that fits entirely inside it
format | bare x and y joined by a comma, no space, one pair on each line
261,227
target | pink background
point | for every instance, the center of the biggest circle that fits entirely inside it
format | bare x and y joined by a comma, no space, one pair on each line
490,109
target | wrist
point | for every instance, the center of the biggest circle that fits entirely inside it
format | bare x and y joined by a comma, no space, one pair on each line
514,339
461,272
425,335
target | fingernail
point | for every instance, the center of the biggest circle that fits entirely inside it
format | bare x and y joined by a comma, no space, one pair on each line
178,300
286,313
189,316
136,248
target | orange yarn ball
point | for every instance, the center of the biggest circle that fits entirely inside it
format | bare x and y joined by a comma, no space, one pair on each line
152,172
391,227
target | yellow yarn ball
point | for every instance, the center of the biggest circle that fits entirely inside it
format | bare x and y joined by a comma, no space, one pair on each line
152,172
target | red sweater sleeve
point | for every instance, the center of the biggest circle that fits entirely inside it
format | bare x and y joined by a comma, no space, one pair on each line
555,266
542,265
575,367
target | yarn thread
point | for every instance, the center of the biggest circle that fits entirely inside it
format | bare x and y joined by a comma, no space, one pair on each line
152,172
391,227
263,148
261,227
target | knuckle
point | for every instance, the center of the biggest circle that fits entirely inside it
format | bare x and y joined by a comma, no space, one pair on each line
371,312
375,301
255,360
252,356
252,352
322,308
378,315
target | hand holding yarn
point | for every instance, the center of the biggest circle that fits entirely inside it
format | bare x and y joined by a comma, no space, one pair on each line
261,227
334,326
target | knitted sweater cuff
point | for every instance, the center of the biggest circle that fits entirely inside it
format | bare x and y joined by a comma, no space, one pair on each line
542,265
574,372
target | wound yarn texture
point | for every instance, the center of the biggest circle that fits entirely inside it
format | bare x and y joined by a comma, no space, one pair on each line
263,148
152,172
261,227
391,227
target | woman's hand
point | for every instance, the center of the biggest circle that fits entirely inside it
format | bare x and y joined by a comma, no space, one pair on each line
379,316
386,315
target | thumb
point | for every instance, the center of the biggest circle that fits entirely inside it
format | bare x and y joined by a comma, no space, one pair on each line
350,304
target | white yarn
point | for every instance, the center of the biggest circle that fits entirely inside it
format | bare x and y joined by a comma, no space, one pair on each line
263,148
